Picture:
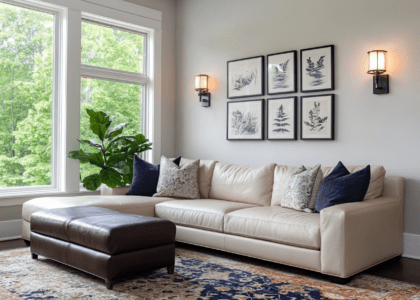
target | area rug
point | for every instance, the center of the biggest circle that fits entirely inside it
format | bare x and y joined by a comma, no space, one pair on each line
197,275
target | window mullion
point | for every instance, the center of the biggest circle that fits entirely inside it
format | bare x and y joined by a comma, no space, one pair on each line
113,75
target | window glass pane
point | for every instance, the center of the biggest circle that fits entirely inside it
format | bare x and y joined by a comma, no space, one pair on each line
26,92
121,101
112,48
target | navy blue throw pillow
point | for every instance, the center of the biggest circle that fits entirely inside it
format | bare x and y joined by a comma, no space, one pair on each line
342,187
145,177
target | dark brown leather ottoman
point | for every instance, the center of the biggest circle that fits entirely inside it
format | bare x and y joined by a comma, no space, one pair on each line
105,243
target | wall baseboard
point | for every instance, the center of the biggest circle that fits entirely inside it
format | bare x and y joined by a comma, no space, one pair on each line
411,245
10,230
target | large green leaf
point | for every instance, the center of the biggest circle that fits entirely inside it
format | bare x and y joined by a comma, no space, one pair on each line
99,123
92,182
116,131
91,143
99,130
80,155
98,117
110,177
115,159
96,159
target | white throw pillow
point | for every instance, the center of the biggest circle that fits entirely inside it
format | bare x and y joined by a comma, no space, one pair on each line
179,182
299,192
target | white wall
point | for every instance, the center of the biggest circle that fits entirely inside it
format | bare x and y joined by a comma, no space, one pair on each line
370,129
168,9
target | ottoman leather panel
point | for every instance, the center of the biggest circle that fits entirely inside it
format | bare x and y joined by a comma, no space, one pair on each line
120,232
102,229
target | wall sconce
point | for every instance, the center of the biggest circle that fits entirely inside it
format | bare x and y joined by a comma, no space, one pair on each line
377,66
201,85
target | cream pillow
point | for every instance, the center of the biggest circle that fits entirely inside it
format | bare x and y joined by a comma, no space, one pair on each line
299,192
179,182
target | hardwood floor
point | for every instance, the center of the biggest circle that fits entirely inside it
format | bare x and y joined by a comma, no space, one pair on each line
399,268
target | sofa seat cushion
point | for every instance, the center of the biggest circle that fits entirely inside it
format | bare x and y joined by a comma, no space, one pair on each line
130,204
276,224
203,214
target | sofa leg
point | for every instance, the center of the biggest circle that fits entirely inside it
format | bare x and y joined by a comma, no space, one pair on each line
171,269
27,243
339,280
34,256
109,284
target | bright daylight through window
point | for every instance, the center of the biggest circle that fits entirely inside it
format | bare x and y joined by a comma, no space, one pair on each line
112,53
26,96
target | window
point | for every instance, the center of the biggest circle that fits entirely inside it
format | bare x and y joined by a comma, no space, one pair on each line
113,79
26,97
47,82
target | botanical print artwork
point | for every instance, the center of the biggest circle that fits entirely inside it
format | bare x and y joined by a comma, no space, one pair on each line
245,77
316,123
281,73
244,123
317,117
240,80
280,124
245,120
280,76
317,69
281,118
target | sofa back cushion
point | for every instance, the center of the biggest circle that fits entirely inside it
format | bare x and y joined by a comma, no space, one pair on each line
253,185
205,175
281,183
377,177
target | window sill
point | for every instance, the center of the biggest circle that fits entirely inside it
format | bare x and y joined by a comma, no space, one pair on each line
13,199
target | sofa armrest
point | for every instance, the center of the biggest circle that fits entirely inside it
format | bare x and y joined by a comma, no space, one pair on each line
357,236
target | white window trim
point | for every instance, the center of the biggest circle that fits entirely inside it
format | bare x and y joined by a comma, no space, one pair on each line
67,110
57,139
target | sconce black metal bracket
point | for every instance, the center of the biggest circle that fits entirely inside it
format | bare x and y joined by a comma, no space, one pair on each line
381,84
205,99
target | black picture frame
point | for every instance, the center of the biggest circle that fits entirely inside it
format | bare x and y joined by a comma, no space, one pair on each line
293,76
294,135
331,133
261,134
231,92
328,85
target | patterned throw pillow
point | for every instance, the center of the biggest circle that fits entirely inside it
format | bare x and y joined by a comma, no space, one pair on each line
179,182
298,194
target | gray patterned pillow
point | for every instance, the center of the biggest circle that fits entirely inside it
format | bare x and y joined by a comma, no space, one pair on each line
179,182
298,194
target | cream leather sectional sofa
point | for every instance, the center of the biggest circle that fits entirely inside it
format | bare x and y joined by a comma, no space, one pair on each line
239,212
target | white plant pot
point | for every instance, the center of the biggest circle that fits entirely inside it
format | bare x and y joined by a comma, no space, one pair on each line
107,191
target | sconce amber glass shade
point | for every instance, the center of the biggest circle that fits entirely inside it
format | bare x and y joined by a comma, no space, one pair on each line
201,82
377,62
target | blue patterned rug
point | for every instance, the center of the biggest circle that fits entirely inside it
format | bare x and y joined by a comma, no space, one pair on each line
197,275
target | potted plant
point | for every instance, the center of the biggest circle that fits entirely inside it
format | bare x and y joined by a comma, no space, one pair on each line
113,154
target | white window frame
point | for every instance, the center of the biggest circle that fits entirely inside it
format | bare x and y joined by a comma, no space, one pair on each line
68,74
58,15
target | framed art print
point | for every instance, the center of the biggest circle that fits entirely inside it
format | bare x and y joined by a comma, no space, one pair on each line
317,69
282,119
282,73
317,117
245,77
245,120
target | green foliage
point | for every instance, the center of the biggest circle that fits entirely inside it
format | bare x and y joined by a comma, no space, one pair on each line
115,155
26,95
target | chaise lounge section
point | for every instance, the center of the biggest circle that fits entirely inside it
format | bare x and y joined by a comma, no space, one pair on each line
239,212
